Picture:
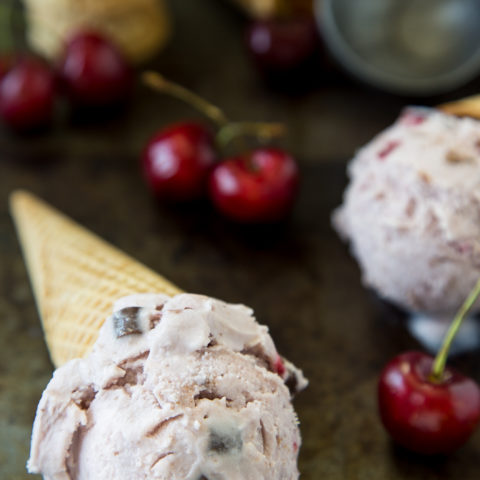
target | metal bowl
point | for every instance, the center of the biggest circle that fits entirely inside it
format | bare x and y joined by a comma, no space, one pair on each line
416,47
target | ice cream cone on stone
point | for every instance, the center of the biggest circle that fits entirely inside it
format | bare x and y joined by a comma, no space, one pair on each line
466,107
76,276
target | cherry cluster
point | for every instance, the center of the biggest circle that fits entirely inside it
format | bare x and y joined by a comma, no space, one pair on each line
183,162
90,73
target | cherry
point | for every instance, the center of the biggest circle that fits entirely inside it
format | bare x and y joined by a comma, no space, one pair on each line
425,406
27,95
93,72
256,187
177,160
424,415
282,44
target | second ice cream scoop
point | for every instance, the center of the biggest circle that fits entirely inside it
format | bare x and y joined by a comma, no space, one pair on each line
412,211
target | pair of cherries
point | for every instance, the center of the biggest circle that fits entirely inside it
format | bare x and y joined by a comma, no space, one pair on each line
425,406
91,72
182,163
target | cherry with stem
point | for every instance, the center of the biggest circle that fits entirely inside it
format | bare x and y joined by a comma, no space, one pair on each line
438,368
256,186
426,406
227,130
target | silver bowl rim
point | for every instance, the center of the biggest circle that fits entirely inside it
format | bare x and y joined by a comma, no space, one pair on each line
369,73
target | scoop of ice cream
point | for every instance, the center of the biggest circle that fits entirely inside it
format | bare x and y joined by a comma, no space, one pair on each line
187,387
412,211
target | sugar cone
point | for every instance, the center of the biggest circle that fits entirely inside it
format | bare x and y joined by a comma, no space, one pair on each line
75,275
466,107
140,28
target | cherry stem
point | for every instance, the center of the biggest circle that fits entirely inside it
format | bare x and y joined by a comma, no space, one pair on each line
227,130
160,83
10,38
261,130
441,358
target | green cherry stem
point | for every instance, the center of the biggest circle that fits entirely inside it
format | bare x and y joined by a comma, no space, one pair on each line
441,358
11,27
227,130
262,131
161,84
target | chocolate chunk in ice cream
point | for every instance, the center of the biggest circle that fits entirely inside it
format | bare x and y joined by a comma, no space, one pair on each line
225,439
126,321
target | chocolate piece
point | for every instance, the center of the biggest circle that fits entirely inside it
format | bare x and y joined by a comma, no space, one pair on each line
84,396
292,383
223,442
126,321
208,394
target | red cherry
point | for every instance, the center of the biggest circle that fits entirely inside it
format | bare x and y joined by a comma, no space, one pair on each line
177,160
425,416
282,44
256,187
27,95
93,72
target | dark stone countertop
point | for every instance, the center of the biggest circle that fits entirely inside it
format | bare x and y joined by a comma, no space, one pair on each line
298,277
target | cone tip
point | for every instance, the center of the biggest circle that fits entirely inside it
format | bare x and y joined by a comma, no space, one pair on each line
17,198
465,107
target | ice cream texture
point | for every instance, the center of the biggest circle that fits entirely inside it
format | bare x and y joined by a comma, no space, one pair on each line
412,211
183,387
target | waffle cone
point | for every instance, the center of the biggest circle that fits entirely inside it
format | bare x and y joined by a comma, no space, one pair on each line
76,276
140,28
466,107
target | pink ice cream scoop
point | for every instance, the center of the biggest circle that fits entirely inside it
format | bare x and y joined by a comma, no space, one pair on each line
184,387
412,211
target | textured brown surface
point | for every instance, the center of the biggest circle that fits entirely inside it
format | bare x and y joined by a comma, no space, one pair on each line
299,278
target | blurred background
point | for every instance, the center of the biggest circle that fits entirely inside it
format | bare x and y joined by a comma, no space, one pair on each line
323,77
